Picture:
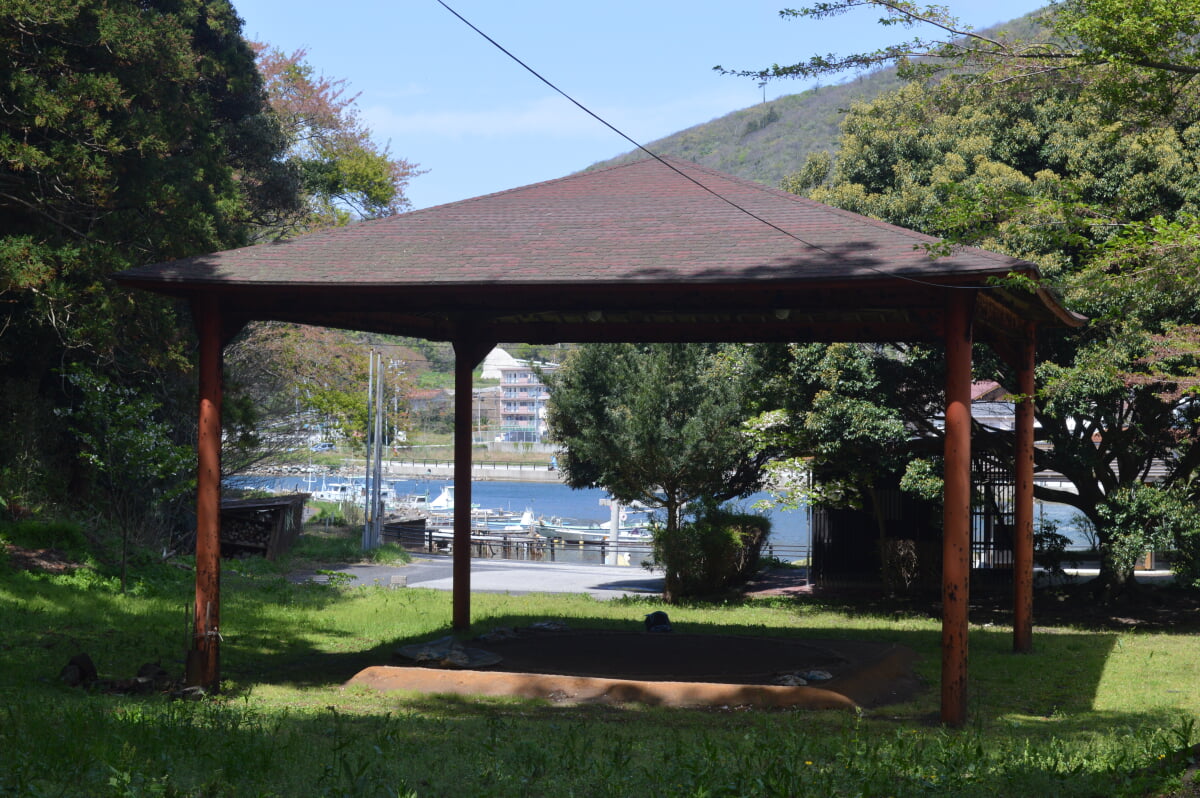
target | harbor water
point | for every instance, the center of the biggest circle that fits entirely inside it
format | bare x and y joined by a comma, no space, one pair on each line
790,530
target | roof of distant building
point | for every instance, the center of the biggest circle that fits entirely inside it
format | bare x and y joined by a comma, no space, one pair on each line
495,360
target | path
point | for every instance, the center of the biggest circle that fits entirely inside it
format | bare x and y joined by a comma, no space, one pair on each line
508,576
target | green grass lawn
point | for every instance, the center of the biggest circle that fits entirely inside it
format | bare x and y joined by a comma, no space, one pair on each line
1089,713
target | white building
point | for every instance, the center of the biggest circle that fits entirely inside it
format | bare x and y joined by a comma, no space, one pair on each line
523,402
496,360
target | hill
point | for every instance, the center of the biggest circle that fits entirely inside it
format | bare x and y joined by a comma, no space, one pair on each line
768,141
771,140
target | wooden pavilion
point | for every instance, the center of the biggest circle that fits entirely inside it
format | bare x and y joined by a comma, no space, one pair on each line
657,250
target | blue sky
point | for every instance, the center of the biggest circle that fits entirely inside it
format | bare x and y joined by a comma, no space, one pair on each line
444,98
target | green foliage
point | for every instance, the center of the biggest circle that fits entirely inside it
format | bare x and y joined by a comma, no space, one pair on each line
1148,46
715,550
340,173
660,424
1058,169
770,141
813,173
345,514
1040,173
839,433
1050,548
923,478
1141,54
141,472
65,536
1141,517
132,133
389,554
285,381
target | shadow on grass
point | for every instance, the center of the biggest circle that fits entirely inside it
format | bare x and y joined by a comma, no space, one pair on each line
311,637
1060,680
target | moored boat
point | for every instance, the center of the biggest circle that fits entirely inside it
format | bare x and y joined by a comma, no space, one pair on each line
581,532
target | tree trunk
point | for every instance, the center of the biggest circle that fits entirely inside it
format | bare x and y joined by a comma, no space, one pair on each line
671,586
1113,582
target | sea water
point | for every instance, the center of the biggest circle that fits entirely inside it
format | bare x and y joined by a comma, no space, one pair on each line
546,499
790,529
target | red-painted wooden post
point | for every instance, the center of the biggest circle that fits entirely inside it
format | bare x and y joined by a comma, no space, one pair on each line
956,543
462,488
469,352
204,660
1023,497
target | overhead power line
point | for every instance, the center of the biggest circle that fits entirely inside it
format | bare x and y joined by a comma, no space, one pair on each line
638,145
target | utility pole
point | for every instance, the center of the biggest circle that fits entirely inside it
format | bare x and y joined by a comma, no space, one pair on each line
377,482
367,441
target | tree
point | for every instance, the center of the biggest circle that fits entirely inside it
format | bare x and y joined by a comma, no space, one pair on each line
840,434
1147,48
340,172
287,381
660,424
337,173
135,459
1043,169
132,132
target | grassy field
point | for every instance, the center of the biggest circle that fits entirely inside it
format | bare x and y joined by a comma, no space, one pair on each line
1090,713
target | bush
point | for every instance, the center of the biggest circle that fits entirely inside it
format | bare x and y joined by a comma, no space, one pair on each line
1140,517
61,535
337,514
1050,549
717,549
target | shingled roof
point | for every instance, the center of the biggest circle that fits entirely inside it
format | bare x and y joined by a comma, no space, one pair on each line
641,243
649,251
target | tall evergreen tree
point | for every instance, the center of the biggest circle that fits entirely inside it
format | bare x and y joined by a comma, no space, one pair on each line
660,424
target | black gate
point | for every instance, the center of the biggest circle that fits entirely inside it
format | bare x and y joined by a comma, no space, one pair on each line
992,522
848,549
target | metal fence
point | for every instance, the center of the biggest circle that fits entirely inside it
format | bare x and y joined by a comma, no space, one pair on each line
485,465
850,551
488,544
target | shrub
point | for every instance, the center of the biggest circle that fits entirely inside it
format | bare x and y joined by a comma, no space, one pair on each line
1140,517
60,535
337,514
718,548
1050,549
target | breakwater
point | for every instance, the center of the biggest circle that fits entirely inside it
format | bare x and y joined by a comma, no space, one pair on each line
490,471
434,470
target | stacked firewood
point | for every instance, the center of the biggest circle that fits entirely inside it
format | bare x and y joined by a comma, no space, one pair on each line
248,530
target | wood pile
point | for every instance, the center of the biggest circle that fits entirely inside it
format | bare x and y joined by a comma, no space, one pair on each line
266,527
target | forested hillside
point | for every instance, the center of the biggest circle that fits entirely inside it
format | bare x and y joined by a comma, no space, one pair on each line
771,140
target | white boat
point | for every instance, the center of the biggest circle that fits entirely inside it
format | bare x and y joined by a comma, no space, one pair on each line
444,502
505,522
338,492
413,505
343,491
580,532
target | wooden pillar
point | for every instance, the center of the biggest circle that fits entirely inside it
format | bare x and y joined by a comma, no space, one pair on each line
204,660
468,353
1023,498
956,541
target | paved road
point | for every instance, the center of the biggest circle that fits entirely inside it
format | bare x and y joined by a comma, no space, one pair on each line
510,576
598,581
